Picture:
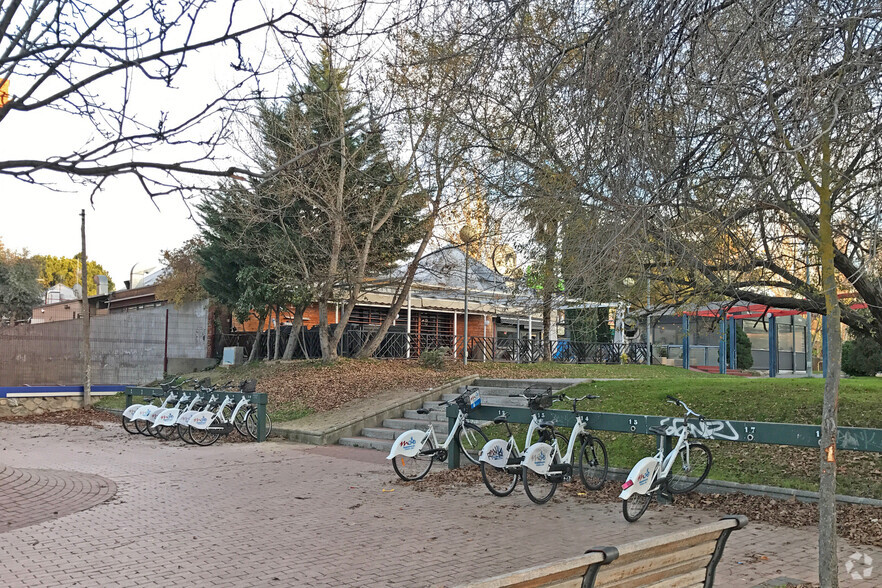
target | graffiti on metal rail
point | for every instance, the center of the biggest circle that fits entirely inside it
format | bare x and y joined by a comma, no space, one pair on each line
701,429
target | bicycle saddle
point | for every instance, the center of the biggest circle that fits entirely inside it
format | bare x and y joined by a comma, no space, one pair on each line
658,430
500,419
545,424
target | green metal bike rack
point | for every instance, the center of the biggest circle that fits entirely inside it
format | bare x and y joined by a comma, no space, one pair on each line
763,433
257,398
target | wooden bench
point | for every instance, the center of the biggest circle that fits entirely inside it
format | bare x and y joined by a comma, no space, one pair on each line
676,560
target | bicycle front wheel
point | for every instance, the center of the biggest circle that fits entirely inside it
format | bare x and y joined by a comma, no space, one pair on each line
635,505
416,467
499,481
143,427
471,440
593,464
691,466
539,488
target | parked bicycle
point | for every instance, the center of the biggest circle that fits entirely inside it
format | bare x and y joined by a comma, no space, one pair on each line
678,472
131,417
545,466
414,451
501,459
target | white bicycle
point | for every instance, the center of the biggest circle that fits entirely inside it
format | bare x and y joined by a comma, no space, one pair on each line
501,459
414,451
678,472
545,466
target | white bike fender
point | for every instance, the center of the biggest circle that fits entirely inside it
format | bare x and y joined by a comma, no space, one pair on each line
639,477
201,420
538,457
408,443
495,452
167,418
184,418
130,411
144,412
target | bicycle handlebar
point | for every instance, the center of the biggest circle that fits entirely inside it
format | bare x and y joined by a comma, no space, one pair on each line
689,411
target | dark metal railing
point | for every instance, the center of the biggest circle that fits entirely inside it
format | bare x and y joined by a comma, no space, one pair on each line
400,345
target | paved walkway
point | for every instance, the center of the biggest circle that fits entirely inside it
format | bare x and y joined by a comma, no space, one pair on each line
30,496
279,514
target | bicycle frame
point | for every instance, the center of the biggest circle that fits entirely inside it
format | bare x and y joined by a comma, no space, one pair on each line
167,417
539,456
411,443
643,476
146,410
184,419
204,419
497,452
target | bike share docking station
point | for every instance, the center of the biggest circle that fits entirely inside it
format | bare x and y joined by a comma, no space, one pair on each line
256,398
796,435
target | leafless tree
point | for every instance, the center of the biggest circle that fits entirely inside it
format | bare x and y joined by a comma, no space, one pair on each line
116,65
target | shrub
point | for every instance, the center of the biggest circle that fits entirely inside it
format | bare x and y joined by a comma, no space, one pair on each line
434,359
743,356
861,356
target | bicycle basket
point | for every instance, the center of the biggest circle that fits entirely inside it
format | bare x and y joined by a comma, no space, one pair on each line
539,402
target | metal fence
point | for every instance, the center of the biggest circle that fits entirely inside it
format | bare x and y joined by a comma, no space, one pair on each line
401,345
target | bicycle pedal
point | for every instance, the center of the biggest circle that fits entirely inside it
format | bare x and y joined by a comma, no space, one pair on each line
567,478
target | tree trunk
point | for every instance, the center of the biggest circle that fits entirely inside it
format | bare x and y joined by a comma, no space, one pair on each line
255,349
828,566
277,352
294,337
549,286
374,342
329,350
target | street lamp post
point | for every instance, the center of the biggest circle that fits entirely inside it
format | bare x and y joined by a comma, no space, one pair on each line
467,235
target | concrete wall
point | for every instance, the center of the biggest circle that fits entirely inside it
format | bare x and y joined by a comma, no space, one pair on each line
127,347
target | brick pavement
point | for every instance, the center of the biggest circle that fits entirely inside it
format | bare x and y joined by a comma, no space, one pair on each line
31,496
278,514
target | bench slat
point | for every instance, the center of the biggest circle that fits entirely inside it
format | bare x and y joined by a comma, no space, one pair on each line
683,581
661,540
666,548
653,575
545,575
655,568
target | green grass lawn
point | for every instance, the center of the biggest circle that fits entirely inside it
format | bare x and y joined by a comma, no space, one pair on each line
731,398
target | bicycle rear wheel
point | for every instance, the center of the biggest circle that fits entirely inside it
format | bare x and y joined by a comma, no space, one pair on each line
691,466
203,437
167,433
539,487
416,467
593,464
143,427
499,481
635,505
129,425
471,440
251,424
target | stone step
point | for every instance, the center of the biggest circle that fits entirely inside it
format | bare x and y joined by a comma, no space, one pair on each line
405,424
380,433
555,383
497,401
487,391
367,443
434,415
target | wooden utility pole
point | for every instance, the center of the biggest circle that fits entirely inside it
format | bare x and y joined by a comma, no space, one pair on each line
87,347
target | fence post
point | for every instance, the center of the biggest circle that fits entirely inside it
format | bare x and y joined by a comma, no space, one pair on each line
773,347
453,450
259,398
721,355
733,358
685,342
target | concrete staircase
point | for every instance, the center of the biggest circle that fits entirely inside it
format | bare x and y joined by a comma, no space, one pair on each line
494,392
